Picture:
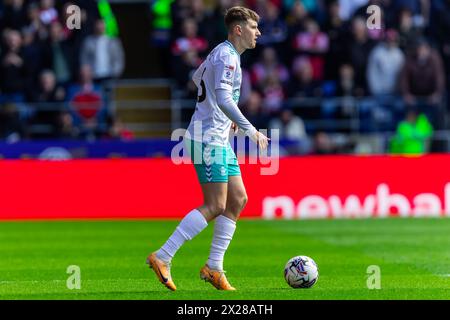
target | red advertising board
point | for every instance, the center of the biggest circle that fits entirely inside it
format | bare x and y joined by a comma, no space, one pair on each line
297,188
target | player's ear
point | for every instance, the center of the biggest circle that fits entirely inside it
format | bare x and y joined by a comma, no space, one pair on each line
238,29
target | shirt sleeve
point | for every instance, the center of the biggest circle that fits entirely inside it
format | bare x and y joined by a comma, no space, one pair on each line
231,110
224,71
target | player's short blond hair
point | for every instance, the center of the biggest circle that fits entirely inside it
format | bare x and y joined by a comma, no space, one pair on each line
239,14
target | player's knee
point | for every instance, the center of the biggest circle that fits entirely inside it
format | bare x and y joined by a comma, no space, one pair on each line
216,209
244,200
241,201
220,209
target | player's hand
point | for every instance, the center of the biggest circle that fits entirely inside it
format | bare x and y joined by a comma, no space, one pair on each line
234,127
261,140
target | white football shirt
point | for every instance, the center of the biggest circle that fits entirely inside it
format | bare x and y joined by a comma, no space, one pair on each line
220,70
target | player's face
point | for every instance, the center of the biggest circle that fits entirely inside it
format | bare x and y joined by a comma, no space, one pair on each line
250,33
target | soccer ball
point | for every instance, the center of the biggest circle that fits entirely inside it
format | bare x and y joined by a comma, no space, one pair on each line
301,272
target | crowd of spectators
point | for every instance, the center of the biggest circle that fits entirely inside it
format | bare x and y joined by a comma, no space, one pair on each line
52,76
319,60
316,66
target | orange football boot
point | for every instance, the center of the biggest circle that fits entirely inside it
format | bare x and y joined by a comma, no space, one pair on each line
162,271
216,278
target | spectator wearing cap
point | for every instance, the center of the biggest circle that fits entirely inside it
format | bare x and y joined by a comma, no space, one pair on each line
422,82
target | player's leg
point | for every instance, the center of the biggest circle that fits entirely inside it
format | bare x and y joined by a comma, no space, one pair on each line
192,224
213,176
160,261
214,199
214,187
225,226
236,197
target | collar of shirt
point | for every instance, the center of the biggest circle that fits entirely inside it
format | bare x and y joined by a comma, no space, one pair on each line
231,45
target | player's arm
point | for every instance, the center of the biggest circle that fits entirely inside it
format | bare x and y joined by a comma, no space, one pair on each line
224,69
231,110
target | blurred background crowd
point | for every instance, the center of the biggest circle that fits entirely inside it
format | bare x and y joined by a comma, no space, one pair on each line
319,69
45,65
319,60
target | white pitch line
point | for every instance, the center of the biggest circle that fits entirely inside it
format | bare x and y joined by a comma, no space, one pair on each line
57,281
29,281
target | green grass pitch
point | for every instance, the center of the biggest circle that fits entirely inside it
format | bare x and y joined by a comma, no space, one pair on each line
413,255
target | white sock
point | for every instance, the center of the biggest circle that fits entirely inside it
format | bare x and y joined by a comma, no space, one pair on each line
223,233
191,225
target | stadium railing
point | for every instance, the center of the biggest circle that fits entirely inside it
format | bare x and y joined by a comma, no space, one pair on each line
159,116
